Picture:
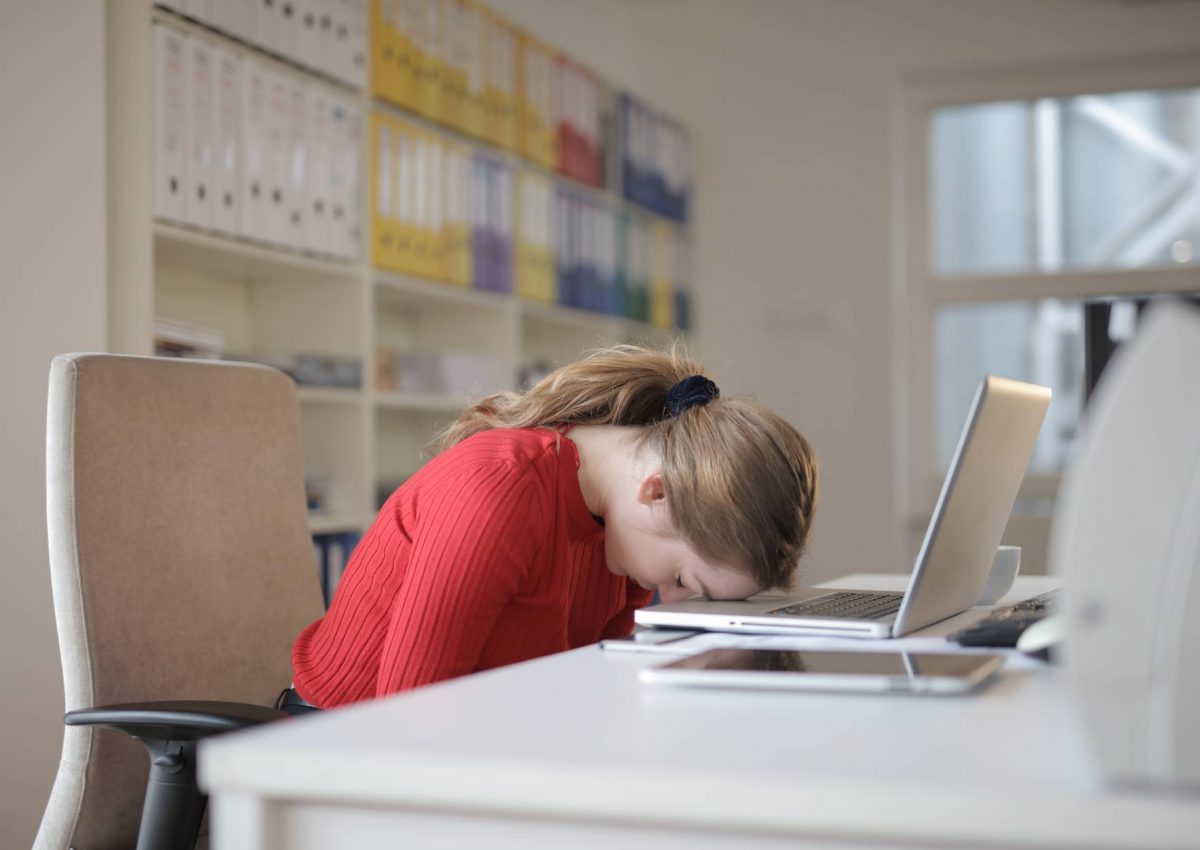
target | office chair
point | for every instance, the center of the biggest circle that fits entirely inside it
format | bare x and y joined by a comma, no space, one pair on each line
182,570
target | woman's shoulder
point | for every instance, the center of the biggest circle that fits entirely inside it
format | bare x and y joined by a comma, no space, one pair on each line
522,449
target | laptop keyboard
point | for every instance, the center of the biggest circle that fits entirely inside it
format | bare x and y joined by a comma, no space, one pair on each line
847,606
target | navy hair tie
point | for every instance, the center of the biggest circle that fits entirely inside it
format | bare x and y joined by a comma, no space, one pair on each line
691,391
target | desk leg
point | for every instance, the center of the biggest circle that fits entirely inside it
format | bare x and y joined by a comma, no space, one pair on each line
243,822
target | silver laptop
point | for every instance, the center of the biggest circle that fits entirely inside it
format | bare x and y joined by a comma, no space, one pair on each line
952,566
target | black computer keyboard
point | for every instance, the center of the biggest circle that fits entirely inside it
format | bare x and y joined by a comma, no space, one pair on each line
1003,626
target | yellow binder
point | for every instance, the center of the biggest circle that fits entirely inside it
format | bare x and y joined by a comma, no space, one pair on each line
426,24
475,56
456,162
405,200
662,306
536,69
452,42
435,175
501,123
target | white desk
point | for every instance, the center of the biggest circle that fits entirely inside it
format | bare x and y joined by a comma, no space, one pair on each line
571,751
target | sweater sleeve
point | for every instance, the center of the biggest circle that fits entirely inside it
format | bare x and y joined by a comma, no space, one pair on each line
479,534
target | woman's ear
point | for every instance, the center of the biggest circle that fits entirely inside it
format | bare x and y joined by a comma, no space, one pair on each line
652,491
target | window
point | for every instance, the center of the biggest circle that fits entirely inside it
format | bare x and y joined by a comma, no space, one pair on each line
1022,199
1088,182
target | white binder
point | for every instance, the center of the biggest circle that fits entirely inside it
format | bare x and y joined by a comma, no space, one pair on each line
170,123
318,230
296,138
252,180
227,143
275,155
343,192
200,120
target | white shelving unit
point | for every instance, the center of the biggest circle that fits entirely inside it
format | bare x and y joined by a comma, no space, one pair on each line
266,300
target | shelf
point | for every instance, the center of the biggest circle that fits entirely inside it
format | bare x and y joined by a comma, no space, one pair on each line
328,395
420,402
401,288
319,523
229,256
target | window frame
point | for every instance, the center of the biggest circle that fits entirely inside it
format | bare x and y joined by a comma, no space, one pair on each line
918,291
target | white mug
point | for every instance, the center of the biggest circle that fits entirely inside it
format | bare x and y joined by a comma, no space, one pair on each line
1003,573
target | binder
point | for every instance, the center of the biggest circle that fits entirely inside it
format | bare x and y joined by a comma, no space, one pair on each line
426,25
536,71
606,260
457,223
318,226
435,186
654,159
385,68
492,224
683,301
275,155
474,46
481,257
170,123
253,188
620,304
452,49
384,248
534,249
636,267
422,251
501,118
661,284
504,230
227,166
407,13
562,246
200,119
405,193
296,163
347,207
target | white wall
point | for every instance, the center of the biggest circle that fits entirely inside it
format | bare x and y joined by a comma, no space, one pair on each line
788,102
52,299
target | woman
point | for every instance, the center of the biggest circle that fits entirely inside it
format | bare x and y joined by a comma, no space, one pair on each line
550,516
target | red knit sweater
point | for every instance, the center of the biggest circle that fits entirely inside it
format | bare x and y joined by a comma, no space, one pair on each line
487,556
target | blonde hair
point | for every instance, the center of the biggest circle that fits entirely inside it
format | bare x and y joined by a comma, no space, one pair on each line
741,482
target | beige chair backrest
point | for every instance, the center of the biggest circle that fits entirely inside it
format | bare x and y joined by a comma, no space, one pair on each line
180,558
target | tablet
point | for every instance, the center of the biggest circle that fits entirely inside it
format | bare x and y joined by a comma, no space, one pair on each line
828,670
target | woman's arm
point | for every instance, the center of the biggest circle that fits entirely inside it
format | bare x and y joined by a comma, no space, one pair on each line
477,539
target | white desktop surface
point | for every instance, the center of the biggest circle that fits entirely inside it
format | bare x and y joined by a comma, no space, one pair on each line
572,750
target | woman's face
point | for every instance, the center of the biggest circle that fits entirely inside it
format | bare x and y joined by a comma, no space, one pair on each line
640,541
